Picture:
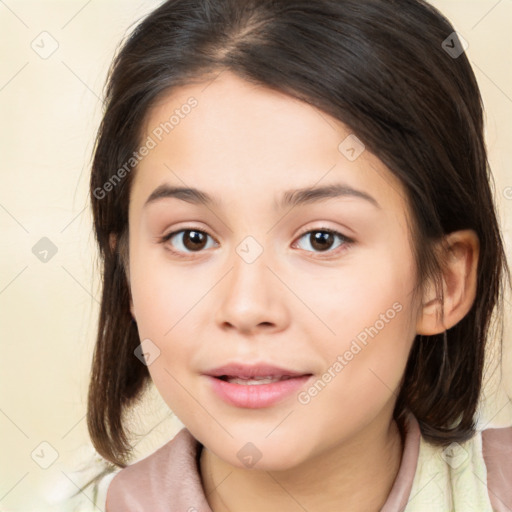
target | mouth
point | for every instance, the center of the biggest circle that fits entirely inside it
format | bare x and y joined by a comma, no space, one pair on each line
253,371
254,381
255,386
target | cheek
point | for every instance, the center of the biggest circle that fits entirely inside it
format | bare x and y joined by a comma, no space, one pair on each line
167,301
166,315
363,371
371,314
164,294
353,297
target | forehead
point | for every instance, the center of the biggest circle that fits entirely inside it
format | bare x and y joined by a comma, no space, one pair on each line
245,140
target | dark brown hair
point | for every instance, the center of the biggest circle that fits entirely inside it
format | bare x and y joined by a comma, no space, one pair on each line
380,67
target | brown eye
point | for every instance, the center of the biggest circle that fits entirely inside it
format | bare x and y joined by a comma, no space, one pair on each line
188,240
322,240
194,240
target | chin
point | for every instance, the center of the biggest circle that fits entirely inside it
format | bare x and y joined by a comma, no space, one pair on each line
258,454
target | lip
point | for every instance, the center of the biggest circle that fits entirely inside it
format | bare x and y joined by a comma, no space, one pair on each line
258,395
246,371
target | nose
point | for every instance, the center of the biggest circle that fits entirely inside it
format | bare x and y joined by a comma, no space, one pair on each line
251,298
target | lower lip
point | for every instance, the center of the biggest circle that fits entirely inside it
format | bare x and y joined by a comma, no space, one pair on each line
256,396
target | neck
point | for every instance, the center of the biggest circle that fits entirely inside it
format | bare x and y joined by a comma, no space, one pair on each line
356,476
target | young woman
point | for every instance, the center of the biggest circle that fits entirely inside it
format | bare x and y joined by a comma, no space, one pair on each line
300,250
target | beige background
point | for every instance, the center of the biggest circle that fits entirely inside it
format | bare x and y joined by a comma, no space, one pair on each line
50,109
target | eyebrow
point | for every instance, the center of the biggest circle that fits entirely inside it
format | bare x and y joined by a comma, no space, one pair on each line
290,198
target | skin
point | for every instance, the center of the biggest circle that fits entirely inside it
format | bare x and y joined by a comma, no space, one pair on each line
294,306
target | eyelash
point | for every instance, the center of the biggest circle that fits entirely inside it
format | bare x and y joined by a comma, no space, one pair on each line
346,242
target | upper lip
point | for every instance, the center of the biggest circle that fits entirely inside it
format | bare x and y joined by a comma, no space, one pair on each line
253,370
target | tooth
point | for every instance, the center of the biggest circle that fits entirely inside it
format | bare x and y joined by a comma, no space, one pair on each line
252,382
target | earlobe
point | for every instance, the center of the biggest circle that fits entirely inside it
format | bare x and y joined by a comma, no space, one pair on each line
459,263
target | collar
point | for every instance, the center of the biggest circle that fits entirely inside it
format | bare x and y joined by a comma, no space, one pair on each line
169,479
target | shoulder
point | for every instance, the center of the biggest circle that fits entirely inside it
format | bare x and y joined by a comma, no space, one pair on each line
168,479
497,454
473,475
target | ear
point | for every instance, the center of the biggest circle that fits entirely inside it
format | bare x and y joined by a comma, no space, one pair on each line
113,245
459,262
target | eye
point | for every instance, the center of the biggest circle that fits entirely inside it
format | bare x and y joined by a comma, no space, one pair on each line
187,240
323,240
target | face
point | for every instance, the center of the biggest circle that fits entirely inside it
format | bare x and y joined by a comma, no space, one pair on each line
317,284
